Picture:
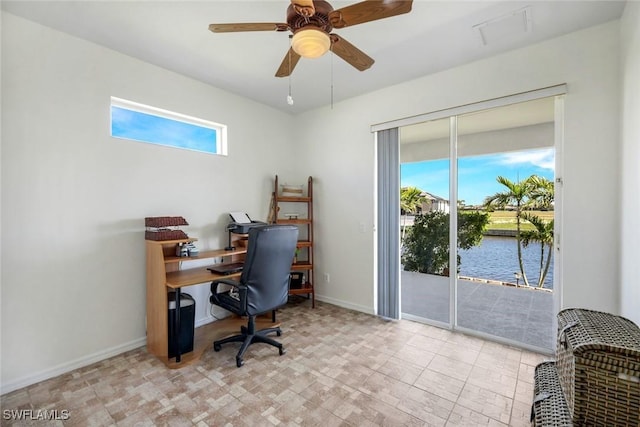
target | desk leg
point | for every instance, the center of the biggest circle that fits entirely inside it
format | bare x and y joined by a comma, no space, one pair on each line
176,326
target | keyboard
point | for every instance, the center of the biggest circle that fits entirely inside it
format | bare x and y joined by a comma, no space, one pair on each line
226,269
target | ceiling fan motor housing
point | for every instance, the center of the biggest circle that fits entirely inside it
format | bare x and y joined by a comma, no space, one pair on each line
320,19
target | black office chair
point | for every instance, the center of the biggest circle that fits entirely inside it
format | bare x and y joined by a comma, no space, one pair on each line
263,285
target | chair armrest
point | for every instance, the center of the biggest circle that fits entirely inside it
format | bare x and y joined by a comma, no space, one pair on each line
240,296
229,282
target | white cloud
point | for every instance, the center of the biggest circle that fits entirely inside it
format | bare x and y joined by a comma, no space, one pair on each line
544,158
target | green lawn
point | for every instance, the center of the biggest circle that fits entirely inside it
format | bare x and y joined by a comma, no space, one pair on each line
506,220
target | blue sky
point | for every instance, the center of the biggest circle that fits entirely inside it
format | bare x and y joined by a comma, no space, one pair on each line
138,126
477,174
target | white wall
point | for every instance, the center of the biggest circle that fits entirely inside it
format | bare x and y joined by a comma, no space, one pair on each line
74,199
339,149
630,210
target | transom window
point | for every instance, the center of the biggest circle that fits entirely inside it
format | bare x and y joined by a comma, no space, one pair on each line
139,122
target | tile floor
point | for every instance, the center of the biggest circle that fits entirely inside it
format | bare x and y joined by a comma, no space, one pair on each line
342,368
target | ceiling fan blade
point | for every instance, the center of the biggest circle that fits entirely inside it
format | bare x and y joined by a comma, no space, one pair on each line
369,10
304,7
350,53
288,63
252,26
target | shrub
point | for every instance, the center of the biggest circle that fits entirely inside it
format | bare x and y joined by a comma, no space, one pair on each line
426,244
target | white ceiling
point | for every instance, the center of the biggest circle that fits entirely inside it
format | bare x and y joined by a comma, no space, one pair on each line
434,36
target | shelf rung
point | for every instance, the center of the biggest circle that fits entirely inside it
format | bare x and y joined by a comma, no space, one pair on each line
290,199
293,221
301,266
301,291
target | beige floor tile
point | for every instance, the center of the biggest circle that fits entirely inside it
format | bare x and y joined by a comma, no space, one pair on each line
524,392
440,384
486,402
459,352
534,359
450,367
496,381
381,414
526,372
429,407
384,388
498,363
465,417
414,355
410,326
342,368
466,341
521,414
437,333
423,342
401,370
368,358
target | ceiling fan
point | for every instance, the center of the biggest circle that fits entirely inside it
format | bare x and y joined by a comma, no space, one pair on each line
311,22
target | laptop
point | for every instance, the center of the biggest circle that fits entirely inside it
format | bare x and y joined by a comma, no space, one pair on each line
226,269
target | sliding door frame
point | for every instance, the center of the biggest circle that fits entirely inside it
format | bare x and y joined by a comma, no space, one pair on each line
557,91
453,221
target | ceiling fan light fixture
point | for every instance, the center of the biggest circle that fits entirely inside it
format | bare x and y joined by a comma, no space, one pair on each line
311,42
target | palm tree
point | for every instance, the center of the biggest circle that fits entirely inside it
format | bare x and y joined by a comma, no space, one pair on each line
542,192
518,195
411,200
543,234
541,197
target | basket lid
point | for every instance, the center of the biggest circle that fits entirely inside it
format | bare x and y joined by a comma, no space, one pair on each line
593,330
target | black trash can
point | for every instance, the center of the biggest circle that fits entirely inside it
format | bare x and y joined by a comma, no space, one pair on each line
187,321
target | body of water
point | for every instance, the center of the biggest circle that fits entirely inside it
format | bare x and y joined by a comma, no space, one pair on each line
496,258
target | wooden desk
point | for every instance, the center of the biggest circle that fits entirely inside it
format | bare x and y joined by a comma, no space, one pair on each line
164,274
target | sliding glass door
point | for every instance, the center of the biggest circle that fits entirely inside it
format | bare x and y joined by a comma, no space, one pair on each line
424,221
477,210
506,164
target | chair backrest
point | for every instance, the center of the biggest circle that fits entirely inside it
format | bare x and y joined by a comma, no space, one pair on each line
267,266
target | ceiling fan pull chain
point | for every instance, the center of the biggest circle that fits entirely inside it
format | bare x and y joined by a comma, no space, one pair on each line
332,76
289,97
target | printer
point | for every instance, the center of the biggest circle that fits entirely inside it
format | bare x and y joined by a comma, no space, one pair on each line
240,224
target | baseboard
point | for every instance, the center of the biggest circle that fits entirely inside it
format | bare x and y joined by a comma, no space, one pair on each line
345,304
70,366
203,321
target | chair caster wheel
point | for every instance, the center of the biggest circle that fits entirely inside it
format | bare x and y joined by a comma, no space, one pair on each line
239,362
216,347
282,351
279,333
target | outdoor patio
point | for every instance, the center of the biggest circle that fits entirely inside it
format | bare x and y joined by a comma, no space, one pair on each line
518,314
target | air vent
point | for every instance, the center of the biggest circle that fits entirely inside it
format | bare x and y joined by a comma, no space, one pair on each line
506,27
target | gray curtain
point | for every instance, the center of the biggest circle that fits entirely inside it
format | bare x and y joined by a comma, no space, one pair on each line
388,223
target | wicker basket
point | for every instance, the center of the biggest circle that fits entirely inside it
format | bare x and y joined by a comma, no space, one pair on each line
164,221
158,228
160,235
549,405
598,362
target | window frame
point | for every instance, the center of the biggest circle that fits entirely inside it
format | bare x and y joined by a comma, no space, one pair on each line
220,129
